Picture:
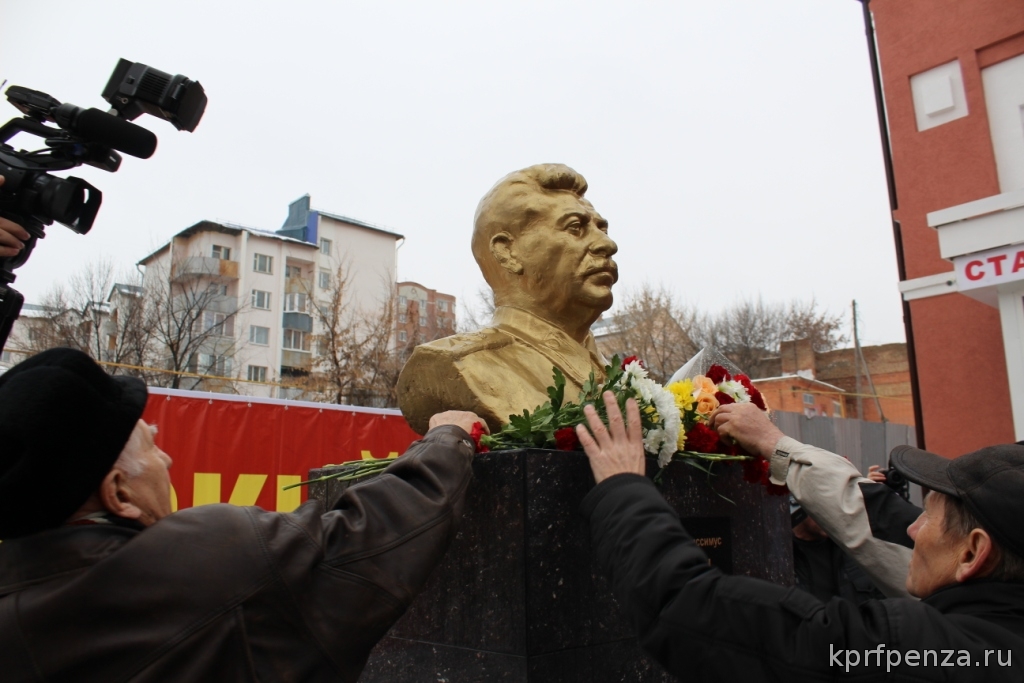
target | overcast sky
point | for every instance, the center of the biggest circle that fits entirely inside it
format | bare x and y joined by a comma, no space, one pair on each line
732,145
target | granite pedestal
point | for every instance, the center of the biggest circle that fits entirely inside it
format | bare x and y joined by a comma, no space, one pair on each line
518,596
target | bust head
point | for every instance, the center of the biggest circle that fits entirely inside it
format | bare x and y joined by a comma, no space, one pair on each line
544,248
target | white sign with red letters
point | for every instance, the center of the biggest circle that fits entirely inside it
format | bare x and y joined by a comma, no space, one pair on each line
989,268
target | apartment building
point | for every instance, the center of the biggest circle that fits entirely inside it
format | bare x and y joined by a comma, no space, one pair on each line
252,291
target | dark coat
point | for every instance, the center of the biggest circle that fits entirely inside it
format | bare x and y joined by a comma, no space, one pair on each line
224,593
703,625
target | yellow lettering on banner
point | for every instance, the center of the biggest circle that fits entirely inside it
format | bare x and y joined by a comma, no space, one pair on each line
174,499
247,489
206,488
367,455
288,500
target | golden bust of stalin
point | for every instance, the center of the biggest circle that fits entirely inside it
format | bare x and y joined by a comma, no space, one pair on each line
545,252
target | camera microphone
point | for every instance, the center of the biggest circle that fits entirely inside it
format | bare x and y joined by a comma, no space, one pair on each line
106,129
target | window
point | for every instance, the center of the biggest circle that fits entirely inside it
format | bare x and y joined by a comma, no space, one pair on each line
208,364
217,290
809,399
262,263
442,306
295,302
837,409
402,301
325,279
442,323
259,335
6,357
218,324
292,271
223,253
261,299
423,321
402,336
403,317
325,246
296,340
257,373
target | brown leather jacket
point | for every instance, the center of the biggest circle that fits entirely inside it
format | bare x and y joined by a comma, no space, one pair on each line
224,593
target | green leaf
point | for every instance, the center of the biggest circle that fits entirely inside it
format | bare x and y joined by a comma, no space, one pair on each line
557,392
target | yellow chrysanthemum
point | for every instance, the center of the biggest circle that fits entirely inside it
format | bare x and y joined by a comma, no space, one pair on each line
682,391
681,441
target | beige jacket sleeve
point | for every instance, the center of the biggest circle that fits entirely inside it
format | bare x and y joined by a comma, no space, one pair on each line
828,488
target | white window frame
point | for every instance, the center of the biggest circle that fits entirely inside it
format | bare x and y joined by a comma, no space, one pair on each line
257,373
296,302
254,335
292,337
268,261
325,279
221,252
325,246
260,293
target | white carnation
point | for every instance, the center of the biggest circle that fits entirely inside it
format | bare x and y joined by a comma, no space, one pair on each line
736,390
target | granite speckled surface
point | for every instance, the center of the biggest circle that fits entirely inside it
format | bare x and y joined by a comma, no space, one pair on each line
518,596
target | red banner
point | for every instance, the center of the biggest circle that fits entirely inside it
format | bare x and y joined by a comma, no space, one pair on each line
243,450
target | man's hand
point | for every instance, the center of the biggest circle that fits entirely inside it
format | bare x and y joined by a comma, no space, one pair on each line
747,425
459,418
12,235
875,473
618,448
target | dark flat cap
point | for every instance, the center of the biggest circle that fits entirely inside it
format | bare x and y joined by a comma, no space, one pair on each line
63,423
990,482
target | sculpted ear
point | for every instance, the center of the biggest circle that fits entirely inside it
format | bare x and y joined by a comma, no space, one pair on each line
115,494
501,250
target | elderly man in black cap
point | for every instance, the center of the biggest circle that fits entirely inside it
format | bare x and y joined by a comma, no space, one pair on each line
701,624
99,582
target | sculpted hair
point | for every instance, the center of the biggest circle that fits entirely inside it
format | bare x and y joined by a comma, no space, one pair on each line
960,521
507,208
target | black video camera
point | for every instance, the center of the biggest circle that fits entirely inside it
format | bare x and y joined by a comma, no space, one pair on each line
33,198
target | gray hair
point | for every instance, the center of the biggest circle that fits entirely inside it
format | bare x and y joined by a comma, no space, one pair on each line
960,521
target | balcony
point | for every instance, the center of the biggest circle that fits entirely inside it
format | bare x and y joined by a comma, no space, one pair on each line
297,360
205,266
297,321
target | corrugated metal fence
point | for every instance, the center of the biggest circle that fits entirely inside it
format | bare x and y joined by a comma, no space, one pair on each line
864,443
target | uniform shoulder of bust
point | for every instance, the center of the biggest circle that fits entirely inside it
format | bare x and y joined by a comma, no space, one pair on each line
459,346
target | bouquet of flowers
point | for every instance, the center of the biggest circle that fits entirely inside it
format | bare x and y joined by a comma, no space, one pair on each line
674,418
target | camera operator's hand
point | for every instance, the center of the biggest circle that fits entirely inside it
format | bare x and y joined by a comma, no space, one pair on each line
747,425
12,235
618,448
875,473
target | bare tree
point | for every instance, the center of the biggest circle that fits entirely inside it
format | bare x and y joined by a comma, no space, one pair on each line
477,315
355,361
191,318
651,324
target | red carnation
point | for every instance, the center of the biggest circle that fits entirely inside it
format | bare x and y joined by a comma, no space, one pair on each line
565,439
757,399
630,359
724,399
701,439
717,374
475,433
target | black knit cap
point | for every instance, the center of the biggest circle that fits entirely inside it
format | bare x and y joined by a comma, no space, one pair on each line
990,482
63,423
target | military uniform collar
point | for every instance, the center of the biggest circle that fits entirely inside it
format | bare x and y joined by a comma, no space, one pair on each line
555,344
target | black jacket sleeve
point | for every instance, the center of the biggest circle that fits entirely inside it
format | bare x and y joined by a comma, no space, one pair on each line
701,624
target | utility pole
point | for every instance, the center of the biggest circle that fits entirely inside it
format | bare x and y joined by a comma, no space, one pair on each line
856,364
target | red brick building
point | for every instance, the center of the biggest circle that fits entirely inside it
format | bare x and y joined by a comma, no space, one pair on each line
952,74
423,315
826,384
